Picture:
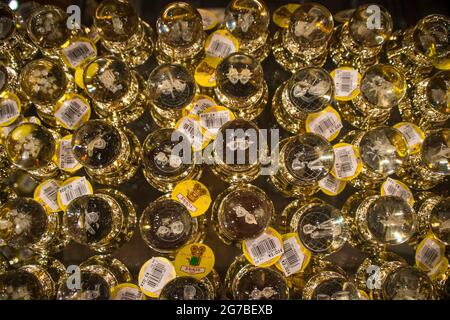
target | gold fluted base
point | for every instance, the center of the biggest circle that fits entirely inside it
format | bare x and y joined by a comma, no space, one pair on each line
166,185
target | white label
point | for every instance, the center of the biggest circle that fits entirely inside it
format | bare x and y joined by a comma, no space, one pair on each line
191,129
212,121
208,19
392,188
345,82
128,294
9,110
326,125
73,190
264,248
156,274
429,254
77,52
201,105
48,194
292,259
345,162
71,112
411,135
67,160
220,46
330,184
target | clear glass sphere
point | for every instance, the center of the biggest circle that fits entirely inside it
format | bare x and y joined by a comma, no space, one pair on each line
438,92
7,22
93,287
435,151
30,146
407,283
432,36
116,20
186,288
440,220
19,285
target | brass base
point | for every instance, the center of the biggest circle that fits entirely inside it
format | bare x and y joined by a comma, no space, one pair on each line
231,177
166,185
289,190
360,120
283,118
56,239
189,63
417,177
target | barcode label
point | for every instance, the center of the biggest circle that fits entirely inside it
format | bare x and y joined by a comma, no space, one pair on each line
331,184
392,187
128,294
76,53
345,162
326,125
191,128
155,274
67,159
345,82
9,110
220,46
73,190
292,258
71,112
201,105
212,121
264,248
430,254
48,193
411,135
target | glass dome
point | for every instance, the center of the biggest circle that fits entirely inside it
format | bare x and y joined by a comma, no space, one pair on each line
311,89
440,220
245,213
383,150
438,92
432,36
116,20
20,285
368,31
308,157
311,25
8,22
383,86
171,86
30,146
239,76
407,283
436,151
186,288
93,287
43,81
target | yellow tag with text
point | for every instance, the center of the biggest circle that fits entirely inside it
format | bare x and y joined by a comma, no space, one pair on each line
78,51
199,104
326,123
46,193
127,291
220,44
64,157
393,187
430,256
346,83
190,126
332,186
71,189
295,257
264,250
213,118
72,110
154,275
414,136
347,162
205,73
194,260
10,108
193,195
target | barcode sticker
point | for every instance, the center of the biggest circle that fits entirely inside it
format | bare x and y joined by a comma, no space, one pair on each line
265,249
326,123
47,192
190,126
429,253
9,111
346,83
71,112
78,52
66,158
331,186
127,291
292,259
220,44
73,188
154,275
392,187
413,134
213,118
199,105
209,19
346,162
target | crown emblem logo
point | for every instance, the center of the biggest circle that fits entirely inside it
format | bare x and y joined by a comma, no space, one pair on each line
196,193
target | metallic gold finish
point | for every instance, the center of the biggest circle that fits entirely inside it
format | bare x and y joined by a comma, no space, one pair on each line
241,86
359,41
181,38
162,169
383,151
166,226
238,151
103,221
434,216
245,281
305,41
188,288
304,160
248,21
117,92
123,33
431,165
416,49
382,88
24,223
110,155
329,285
171,88
241,212
99,274
309,90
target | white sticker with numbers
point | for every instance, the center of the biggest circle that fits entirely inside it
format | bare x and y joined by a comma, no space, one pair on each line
71,112
292,259
155,274
201,105
264,248
413,135
78,52
67,159
220,46
392,187
191,128
345,162
9,111
212,121
331,185
429,254
48,193
345,82
127,292
74,189
326,125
